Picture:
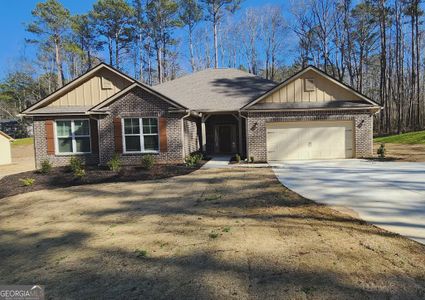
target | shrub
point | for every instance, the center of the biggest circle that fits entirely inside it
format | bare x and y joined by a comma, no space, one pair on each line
251,159
80,173
75,164
140,253
148,161
238,158
381,151
226,229
213,235
27,181
193,160
115,163
46,167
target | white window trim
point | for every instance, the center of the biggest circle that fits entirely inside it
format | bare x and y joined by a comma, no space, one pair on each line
74,143
141,135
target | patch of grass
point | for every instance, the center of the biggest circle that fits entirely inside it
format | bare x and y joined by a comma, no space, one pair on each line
141,253
226,229
213,235
212,197
417,137
23,142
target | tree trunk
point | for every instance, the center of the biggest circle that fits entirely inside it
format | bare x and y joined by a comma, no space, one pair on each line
117,52
110,52
215,21
159,63
59,73
192,58
418,102
141,56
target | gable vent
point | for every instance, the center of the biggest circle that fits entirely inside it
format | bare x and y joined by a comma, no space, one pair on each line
106,84
309,85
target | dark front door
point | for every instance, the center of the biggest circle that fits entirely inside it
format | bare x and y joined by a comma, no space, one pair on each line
225,137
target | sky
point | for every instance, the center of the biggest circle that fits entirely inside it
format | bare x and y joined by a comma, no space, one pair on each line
14,14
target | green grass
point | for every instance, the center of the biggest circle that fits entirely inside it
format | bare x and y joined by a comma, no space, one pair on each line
141,253
417,137
24,141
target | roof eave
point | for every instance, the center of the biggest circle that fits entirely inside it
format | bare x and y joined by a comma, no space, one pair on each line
371,108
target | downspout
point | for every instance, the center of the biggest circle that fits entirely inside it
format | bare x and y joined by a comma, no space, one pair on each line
188,113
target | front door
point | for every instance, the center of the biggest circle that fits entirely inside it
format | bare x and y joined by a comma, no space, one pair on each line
225,139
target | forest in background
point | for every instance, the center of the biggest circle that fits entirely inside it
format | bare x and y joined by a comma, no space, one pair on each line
373,45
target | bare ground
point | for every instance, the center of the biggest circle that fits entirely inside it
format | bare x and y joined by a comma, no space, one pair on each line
403,152
211,234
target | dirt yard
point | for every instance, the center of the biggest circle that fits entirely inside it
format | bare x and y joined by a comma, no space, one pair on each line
211,234
403,152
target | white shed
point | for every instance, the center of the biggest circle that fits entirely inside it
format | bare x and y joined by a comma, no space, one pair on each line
5,151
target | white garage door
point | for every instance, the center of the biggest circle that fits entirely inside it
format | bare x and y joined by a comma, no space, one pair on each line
309,140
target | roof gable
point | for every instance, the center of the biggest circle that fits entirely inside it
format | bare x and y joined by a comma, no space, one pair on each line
89,89
325,89
101,106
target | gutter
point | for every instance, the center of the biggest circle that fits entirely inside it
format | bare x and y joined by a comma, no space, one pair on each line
313,109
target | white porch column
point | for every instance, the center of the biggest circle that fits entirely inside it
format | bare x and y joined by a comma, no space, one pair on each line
204,132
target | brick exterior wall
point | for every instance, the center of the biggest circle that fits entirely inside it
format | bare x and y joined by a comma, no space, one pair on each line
191,135
40,147
257,138
139,103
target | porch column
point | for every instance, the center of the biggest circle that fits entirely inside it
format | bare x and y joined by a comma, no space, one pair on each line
239,118
240,134
204,132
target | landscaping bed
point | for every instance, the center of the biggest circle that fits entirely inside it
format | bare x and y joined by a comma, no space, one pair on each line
60,177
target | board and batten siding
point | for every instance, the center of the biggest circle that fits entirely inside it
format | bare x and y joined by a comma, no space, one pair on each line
325,90
92,92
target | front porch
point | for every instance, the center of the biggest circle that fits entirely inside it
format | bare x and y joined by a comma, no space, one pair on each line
223,133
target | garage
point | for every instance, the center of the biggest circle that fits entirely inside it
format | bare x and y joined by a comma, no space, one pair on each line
309,140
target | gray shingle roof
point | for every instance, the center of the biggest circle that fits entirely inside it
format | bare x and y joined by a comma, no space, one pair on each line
60,110
215,89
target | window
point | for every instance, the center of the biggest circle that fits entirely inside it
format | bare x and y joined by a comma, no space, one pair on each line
140,135
72,136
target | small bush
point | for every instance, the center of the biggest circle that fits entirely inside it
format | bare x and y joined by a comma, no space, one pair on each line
80,173
27,181
46,167
238,158
148,161
381,151
251,159
213,235
193,160
226,229
75,164
141,253
115,163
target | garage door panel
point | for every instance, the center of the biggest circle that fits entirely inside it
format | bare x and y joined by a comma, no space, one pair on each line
309,140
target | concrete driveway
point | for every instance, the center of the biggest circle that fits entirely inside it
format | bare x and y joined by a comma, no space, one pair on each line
390,195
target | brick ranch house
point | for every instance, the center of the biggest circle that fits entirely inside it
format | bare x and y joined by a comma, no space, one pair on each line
218,111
